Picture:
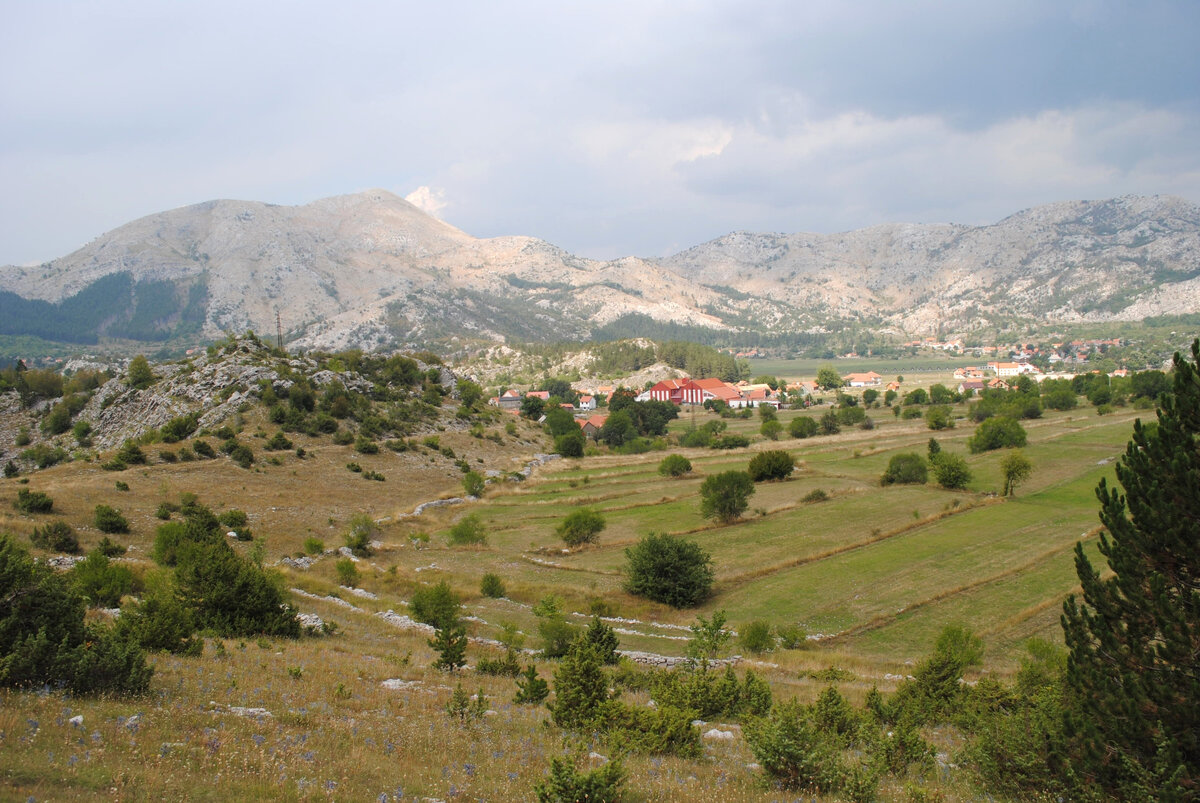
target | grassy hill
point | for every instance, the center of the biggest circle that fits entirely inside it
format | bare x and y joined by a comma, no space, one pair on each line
872,574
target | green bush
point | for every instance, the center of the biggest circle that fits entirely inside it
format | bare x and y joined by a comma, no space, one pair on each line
161,623
57,536
508,666
468,531
473,483
794,751
581,526
531,689
771,429
950,471
726,496
362,530
904,469
491,586
347,572
434,604
242,455
774,464
110,548
580,688
99,580
571,443
109,520
997,432
815,495
674,465
850,416
28,501
130,454
757,637
669,569
45,641
731,441
203,449
179,428
939,417
278,442
566,784
43,455
313,546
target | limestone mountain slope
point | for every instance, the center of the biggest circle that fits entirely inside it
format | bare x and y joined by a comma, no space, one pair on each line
371,270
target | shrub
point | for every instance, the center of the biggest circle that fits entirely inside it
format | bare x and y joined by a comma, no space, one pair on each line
939,417
757,637
179,428
581,526
580,688
793,750
468,531
849,416
792,637
669,569
450,643
951,471
100,581
771,429
434,604
775,464
674,465
601,636
110,548
313,546
130,454
278,442
906,468
726,496
347,572
203,449
57,536
45,641
140,376
731,441
556,632
161,623
997,432
566,784
242,455
28,501
571,443
803,427
829,423
11,470
1016,468
508,666
473,484
531,689
362,530
815,495
109,520
909,413
44,455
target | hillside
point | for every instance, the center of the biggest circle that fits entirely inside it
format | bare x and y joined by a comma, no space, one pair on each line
870,574
371,270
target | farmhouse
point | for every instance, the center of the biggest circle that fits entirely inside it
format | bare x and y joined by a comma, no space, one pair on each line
587,403
1004,368
592,424
676,391
867,380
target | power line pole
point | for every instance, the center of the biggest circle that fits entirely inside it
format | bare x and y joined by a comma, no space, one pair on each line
278,331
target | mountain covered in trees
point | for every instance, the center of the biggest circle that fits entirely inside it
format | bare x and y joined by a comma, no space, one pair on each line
371,270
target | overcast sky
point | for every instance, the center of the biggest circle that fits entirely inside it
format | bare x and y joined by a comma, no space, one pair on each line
607,128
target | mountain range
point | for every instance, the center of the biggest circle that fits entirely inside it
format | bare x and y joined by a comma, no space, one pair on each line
371,270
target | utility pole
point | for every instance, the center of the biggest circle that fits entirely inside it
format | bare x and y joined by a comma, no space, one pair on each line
278,331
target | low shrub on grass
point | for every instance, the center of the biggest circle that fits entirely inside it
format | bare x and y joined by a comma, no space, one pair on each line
28,501
57,536
109,520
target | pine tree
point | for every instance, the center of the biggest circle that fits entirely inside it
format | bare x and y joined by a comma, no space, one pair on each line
531,688
1134,643
580,687
450,642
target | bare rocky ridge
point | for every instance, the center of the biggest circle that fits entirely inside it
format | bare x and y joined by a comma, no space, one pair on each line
373,271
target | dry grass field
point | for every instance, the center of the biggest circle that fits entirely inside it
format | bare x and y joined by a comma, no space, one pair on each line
872,574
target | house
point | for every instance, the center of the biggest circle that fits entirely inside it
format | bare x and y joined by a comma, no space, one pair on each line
969,386
587,403
592,424
508,400
1004,368
717,389
544,395
968,372
804,388
757,397
867,380
893,386
677,391
997,384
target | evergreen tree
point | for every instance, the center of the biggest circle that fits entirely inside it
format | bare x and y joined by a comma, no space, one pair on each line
580,687
531,688
450,642
1134,643
601,635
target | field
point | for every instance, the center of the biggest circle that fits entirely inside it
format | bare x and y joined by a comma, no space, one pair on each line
871,574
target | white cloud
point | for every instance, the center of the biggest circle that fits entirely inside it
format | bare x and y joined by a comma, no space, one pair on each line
428,200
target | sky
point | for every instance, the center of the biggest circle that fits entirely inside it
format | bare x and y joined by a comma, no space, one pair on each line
607,128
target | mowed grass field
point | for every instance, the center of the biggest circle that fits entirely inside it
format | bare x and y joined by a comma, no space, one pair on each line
872,573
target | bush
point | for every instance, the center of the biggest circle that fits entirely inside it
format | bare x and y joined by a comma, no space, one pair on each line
997,432
278,442
362,530
434,604
757,637
939,417
508,666
531,689
347,572
774,464
580,688
581,526
815,495
57,536
794,751
566,784
45,641
731,442
571,443
179,428
203,449
242,455
109,520
770,429
803,427
97,579
849,416
313,546
468,531
829,423
491,586
110,548
905,469
473,483
160,623
28,501
726,496
950,471
669,569
674,465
